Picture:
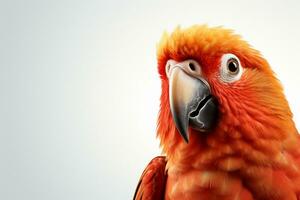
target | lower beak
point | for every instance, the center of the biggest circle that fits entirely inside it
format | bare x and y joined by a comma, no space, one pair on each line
191,103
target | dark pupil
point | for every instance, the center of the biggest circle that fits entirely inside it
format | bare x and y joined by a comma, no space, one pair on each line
232,66
192,66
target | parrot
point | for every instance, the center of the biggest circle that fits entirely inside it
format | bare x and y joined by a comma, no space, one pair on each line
225,126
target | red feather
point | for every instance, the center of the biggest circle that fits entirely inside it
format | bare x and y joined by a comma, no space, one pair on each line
153,180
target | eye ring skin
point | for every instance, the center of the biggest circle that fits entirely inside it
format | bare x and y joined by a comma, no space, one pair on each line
226,75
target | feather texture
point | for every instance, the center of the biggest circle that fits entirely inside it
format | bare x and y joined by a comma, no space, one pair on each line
153,180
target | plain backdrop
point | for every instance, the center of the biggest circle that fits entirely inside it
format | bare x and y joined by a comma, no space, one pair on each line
80,90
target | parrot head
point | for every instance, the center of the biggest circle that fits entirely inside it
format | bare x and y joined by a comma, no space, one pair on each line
218,93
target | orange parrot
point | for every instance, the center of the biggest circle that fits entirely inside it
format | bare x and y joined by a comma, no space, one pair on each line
225,126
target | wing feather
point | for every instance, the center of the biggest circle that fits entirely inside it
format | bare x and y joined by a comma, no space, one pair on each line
152,183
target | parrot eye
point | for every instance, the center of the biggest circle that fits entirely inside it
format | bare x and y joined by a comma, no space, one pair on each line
231,69
233,66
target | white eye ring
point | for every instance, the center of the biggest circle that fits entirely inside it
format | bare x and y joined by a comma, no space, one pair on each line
231,69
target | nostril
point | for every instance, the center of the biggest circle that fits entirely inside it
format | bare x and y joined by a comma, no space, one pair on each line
192,66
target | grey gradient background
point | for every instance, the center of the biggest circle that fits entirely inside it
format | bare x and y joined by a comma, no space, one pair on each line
80,90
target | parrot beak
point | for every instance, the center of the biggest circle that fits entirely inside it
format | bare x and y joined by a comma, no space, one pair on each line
190,99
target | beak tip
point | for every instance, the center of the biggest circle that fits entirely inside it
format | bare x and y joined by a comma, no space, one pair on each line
186,140
185,135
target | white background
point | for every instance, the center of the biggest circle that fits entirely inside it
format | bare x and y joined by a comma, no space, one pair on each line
80,90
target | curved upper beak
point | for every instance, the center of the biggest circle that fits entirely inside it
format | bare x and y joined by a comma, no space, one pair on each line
191,102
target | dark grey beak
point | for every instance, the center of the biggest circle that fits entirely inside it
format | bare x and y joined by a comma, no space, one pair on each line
191,103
